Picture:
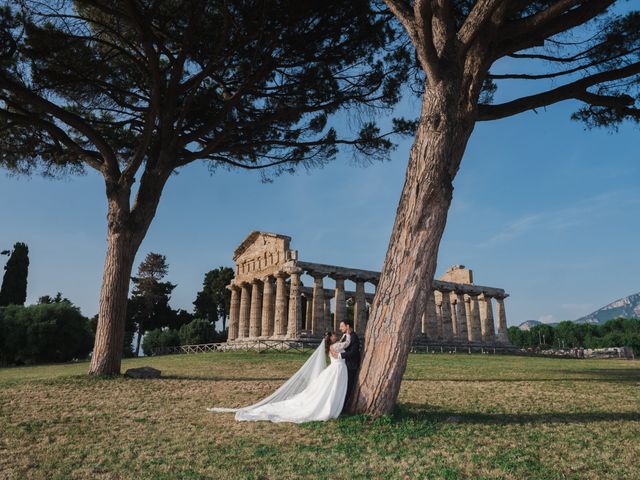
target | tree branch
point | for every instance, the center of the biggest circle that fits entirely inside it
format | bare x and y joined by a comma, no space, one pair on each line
553,11
551,58
423,14
576,90
584,67
478,16
605,100
260,74
129,172
150,53
443,29
533,31
90,157
421,39
70,119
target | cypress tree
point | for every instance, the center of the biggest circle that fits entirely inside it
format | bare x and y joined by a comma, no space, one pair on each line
14,282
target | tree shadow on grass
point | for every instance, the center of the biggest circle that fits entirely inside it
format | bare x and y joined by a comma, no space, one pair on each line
93,379
605,374
218,378
593,375
525,380
614,375
415,412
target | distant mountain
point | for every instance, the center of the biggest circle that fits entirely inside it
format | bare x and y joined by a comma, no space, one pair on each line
529,324
624,307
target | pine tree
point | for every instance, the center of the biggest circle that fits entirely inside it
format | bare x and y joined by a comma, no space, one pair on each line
149,302
137,90
580,50
212,302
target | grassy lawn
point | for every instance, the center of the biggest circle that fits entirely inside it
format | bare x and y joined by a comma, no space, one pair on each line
460,416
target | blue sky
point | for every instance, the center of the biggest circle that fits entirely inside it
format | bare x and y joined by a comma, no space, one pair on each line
542,208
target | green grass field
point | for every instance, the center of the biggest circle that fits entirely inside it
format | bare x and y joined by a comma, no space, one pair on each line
460,416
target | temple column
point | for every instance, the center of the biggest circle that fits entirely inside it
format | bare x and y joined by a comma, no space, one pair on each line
255,317
486,319
475,332
461,317
295,305
281,305
267,307
317,318
438,301
469,314
491,323
245,310
454,314
234,312
308,312
420,323
273,306
367,310
359,308
430,326
327,314
503,336
447,328
340,307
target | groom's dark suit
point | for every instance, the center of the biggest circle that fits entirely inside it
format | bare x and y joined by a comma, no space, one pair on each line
351,357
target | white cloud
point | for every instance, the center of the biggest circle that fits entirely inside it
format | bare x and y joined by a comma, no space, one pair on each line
515,228
579,213
548,318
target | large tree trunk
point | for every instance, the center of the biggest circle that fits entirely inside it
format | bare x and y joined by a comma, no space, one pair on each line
107,349
410,264
126,229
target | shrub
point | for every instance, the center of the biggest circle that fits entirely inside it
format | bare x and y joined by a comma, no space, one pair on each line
13,335
54,332
159,338
196,332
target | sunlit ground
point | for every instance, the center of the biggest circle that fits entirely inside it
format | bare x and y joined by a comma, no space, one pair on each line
460,416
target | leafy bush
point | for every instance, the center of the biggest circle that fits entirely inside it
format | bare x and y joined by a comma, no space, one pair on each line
197,332
193,333
54,332
13,335
159,338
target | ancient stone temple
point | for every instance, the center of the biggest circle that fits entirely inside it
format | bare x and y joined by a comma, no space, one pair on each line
270,301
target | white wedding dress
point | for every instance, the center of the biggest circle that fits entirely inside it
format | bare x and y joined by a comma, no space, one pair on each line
315,392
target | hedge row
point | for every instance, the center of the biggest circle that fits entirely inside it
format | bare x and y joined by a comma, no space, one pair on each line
43,333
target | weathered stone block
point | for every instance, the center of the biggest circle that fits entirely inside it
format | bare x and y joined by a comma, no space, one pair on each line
142,372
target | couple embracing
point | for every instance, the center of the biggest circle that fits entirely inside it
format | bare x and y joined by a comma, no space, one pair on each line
316,391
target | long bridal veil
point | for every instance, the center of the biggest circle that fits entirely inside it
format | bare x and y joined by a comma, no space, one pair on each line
314,365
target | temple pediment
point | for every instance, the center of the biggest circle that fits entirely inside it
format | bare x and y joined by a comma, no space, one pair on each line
261,253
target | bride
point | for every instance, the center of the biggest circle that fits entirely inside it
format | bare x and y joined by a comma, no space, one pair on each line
312,393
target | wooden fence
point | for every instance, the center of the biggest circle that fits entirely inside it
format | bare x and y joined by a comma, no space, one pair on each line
258,345
262,345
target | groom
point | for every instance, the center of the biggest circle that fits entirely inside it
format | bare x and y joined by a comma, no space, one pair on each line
351,356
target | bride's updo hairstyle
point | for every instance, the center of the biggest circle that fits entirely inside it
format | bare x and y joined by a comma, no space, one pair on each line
327,341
